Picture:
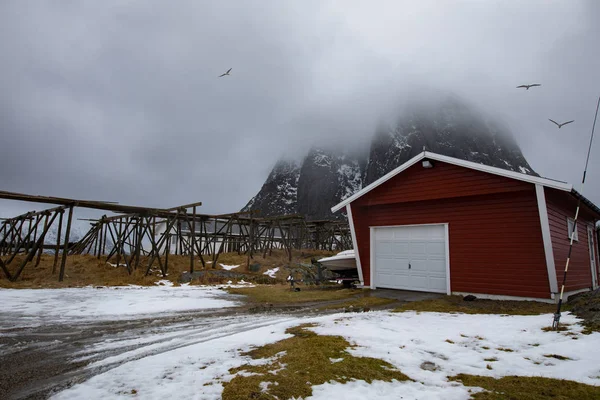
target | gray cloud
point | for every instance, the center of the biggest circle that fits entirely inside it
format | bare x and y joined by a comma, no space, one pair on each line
121,101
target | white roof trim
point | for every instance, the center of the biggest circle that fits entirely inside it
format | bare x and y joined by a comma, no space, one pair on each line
461,163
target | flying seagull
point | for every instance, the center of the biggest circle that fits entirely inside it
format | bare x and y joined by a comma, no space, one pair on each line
528,86
560,125
226,73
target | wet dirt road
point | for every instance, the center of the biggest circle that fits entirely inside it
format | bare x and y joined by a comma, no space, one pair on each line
41,354
38,361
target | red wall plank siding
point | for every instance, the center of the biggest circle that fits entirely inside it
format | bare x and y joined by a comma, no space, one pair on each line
561,206
495,237
443,181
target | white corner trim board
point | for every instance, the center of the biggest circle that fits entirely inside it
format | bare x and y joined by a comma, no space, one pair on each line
461,163
371,258
448,287
547,238
355,244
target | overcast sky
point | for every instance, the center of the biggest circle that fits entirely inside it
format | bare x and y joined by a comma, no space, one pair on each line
120,101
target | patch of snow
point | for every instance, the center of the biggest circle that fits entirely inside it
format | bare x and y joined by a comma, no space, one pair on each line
524,170
228,267
271,272
335,360
186,370
288,191
322,160
359,390
401,340
350,179
164,282
127,302
115,265
400,142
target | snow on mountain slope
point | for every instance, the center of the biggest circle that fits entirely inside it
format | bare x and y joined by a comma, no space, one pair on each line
279,194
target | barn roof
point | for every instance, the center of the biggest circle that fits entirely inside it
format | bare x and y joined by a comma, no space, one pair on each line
551,183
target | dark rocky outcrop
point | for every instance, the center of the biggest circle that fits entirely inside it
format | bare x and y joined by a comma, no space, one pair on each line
325,177
278,195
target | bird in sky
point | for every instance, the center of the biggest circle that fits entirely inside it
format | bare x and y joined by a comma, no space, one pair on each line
528,86
560,125
226,73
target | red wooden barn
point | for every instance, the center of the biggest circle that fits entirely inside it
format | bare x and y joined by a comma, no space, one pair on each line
441,224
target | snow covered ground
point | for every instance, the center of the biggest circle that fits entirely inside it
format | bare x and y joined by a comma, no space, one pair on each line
455,343
35,306
458,343
191,354
228,267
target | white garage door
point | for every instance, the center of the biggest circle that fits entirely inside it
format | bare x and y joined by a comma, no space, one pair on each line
410,257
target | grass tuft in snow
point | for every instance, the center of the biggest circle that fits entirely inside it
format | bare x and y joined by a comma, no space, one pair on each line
527,388
505,349
561,328
455,304
300,362
557,356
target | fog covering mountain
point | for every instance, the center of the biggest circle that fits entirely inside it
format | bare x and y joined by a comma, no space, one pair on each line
450,128
330,174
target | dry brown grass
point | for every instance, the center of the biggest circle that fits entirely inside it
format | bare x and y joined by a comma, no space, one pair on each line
527,388
283,294
557,356
277,259
455,304
561,328
83,270
80,270
360,303
300,362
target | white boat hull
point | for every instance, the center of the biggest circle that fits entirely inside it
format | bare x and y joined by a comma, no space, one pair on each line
344,262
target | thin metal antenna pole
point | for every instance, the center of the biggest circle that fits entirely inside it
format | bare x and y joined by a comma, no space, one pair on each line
556,321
